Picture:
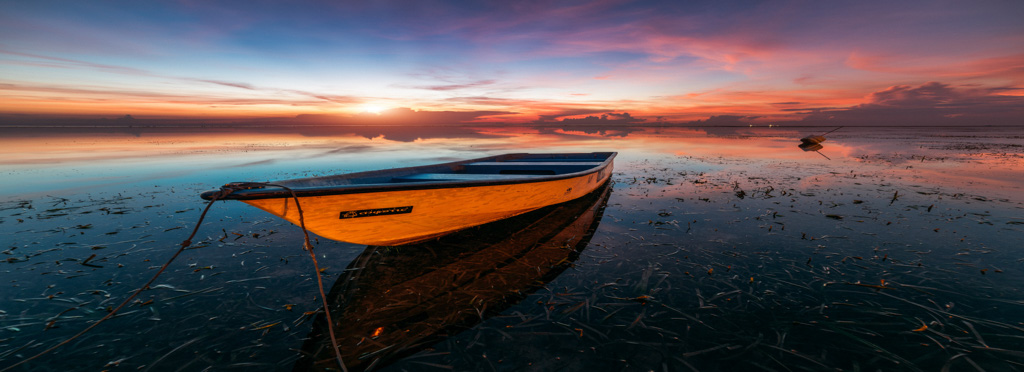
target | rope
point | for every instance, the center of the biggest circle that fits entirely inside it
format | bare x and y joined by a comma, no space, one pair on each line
831,132
319,280
225,191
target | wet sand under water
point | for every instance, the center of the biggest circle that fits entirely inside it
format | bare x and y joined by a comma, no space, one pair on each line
717,249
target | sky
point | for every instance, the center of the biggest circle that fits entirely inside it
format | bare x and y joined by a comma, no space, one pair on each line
454,62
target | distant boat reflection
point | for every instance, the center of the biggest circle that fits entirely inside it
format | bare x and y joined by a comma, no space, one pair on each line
394,301
811,146
816,147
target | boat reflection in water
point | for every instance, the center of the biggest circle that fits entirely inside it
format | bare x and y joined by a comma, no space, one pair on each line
816,147
394,301
811,146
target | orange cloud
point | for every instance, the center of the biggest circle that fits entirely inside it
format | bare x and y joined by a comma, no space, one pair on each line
1007,67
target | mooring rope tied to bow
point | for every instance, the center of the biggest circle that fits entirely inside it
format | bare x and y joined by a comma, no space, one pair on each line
225,191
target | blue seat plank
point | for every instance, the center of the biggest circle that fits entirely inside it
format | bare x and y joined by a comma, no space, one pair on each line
458,177
588,164
515,167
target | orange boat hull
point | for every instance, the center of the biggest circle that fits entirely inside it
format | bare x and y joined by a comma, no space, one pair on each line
409,216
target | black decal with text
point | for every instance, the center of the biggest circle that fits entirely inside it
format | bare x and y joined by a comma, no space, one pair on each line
375,212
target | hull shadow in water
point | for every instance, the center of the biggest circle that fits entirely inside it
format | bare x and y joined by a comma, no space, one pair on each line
395,301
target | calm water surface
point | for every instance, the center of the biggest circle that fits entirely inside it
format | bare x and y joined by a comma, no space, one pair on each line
714,249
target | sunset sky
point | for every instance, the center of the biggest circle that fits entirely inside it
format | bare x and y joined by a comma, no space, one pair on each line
590,62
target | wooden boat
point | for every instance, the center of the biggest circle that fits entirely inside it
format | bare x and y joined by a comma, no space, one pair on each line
409,205
393,302
812,140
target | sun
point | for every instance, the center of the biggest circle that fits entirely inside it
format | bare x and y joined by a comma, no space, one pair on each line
373,108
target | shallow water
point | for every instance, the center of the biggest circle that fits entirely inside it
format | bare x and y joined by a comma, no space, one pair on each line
718,249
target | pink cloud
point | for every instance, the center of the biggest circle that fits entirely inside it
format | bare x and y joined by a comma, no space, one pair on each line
932,103
1006,66
49,61
447,87
36,94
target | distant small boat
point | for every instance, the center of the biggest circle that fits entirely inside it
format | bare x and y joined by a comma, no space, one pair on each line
812,140
409,205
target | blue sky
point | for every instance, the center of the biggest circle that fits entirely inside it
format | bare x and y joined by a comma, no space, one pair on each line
512,62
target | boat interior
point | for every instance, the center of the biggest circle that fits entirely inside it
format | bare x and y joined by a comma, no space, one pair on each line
506,167
496,170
